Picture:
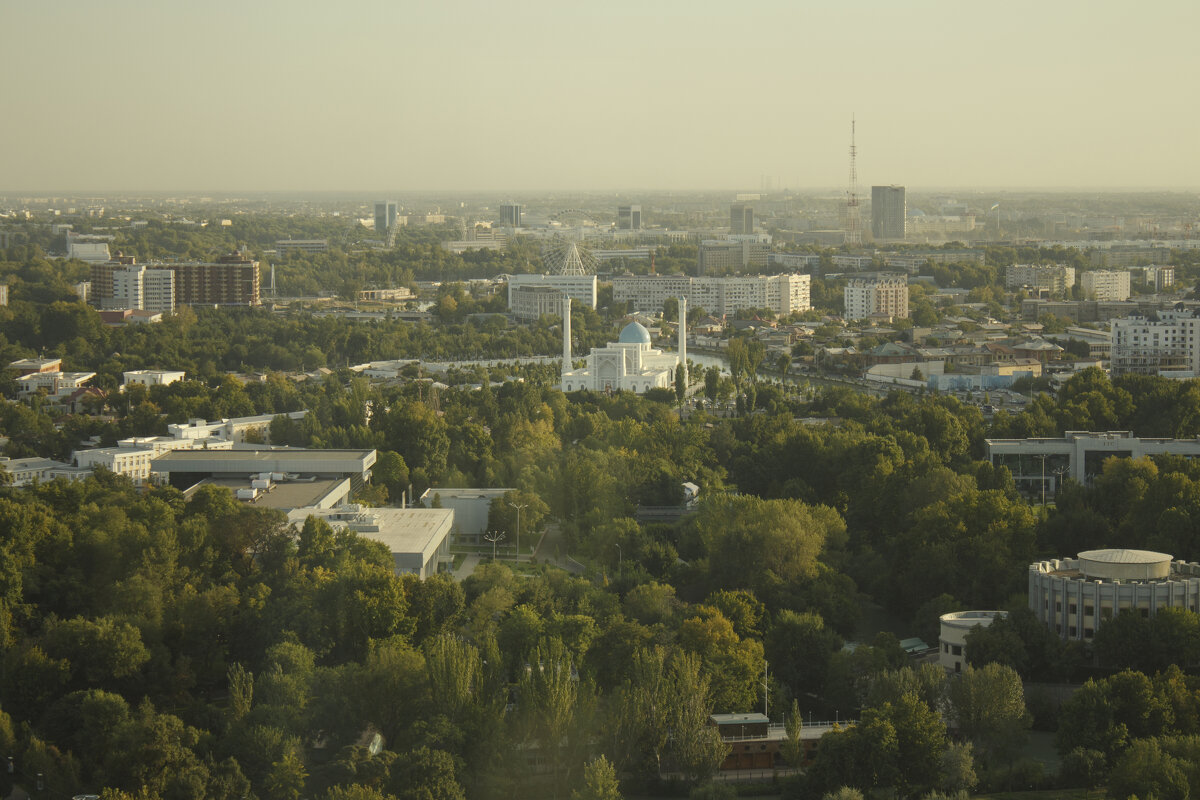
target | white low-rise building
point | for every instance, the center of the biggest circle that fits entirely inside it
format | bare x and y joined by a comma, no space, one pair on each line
132,462
418,538
235,429
151,377
26,471
952,637
54,384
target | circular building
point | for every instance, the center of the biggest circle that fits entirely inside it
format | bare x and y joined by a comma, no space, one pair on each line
1074,596
952,639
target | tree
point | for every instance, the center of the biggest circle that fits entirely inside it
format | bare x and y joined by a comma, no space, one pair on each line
988,705
1145,769
599,781
712,379
917,375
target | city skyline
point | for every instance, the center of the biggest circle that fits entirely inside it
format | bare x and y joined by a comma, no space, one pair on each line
374,97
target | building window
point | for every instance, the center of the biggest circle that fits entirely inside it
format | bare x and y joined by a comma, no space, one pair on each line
1089,609
956,650
1071,608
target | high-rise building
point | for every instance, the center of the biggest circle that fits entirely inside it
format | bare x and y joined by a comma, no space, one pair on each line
722,256
884,293
888,213
629,218
136,286
510,215
741,218
385,215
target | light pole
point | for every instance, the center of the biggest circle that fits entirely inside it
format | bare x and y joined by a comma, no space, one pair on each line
493,537
620,560
518,507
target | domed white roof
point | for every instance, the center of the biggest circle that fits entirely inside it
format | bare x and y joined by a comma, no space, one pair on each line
1122,564
634,333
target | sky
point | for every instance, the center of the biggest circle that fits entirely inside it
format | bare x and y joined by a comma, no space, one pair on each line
620,95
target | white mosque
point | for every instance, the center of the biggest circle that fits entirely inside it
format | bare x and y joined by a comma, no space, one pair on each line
627,364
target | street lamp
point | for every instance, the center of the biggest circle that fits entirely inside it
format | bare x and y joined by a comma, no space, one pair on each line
518,507
493,537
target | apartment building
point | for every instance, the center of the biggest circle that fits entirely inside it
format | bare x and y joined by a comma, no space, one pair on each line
1056,278
782,294
1163,342
876,294
1105,284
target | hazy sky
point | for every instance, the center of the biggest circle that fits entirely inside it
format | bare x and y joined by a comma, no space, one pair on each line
397,95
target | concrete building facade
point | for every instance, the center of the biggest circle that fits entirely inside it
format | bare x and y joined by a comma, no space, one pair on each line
1074,597
882,294
782,294
1163,342
1055,278
1105,284
952,635
577,287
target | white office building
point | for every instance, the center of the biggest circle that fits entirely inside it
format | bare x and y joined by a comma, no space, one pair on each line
1077,454
576,287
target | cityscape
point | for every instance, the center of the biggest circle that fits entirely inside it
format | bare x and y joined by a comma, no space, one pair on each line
663,400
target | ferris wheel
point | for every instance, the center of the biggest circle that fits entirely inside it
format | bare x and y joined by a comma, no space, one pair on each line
562,255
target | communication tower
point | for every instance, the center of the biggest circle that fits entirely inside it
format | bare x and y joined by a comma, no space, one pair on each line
852,223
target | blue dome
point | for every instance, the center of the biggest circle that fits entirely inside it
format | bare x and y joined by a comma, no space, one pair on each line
634,333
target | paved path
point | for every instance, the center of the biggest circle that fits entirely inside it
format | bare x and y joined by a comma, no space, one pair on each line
468,566
553,550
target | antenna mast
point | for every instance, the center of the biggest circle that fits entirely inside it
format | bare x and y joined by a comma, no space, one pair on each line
853,223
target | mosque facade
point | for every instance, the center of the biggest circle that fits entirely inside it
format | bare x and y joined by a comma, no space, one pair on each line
628,364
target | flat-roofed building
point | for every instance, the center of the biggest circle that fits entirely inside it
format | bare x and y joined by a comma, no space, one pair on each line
782,294
1075,597
1105,284
418,538
235,429
396,295
28,366
185,468
581,288
471,508
533,302
883,294
1076,454
152,377
1056,278
26,471
952,636
1158,343
132,462
285,246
